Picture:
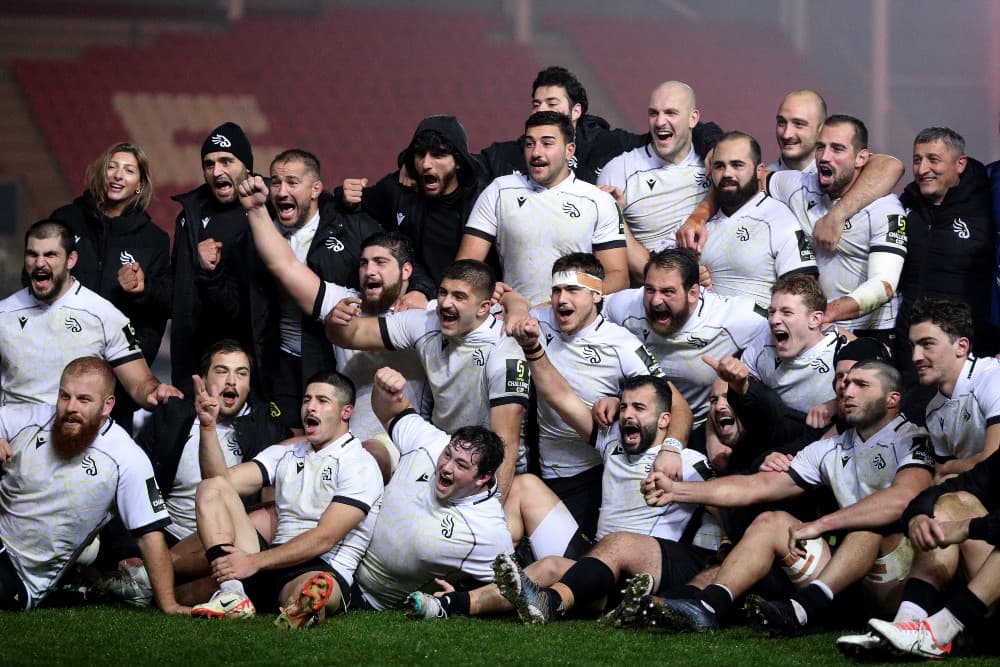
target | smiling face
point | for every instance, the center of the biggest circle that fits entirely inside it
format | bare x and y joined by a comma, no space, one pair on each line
47,266
295,191
794,327
937,358
223,172
228,377
838,162
668,306
937,168
124,176
640,419
457,473
324,417
672,116
547,155
460,310
797,128
84,403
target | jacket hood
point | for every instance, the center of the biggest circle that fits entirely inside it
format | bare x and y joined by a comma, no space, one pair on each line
451,130
131,218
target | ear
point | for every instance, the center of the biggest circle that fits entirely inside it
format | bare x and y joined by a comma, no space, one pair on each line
109,404
892,399
759,172
71,260
484,480
694,293
317,188
484,308
816,319
575,113
570,149
960,164
596,297
346,412
862,158
962,346
695,117
663,421
406,271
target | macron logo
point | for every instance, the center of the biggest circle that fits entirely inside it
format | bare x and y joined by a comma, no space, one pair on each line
221,141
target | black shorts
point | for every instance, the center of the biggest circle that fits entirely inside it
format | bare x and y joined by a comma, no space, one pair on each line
680,563
13,594
358,601
264,587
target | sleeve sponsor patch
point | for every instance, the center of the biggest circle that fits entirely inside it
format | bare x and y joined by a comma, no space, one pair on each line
806,252
649,361
897,229
921,450
155,497
621,222
129,332
517,378
704,470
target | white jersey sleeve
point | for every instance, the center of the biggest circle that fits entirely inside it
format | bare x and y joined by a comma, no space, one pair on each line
507,374
402,331
610,229
327,298
483,219
409,431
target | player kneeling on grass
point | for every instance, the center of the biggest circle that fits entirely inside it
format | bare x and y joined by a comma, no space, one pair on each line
327,492
873,469
956,522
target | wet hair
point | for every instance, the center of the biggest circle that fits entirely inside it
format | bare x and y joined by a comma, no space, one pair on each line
563,123
96,177
310,161
945,135
49,229
664,396
681,260
860,138
484,442
223,346
92,366
733,135
954,318
562,77
888,376
803,285
396,243
343,388
477,274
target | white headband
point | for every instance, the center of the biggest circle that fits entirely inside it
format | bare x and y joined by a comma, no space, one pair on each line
593,283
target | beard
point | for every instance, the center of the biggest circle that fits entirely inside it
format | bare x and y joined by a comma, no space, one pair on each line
72,438
647,438
733,200
385,301
868,415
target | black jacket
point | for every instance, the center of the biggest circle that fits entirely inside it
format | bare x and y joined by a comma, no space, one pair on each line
104,245
596,144
210,306
165,433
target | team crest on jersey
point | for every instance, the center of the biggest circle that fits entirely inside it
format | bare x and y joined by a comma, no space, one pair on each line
960,228
573,162
570,209
521,200
696,342
275,410
183,221
820,366
399,218
126,258
806,252
591,354
518,377
22,320
479,357
155,497
879,461
897,229
847,225
448,526
703,180
333,243
921,450
650,182
233,445
743,234
72,324
89,465
327,475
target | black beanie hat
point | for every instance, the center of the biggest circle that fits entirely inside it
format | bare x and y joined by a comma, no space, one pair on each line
229,137
863,349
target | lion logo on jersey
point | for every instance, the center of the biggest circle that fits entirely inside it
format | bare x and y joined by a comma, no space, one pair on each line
448,526
89,465
72,324
820,366
743,234
571,210
334,244
591,354
126,258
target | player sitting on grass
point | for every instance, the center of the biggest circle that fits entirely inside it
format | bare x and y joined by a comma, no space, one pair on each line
327,491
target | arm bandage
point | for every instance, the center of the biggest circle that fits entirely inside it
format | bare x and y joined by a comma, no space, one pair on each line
883,269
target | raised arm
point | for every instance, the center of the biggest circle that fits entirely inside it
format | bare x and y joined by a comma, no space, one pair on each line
246,477
877,179
388,398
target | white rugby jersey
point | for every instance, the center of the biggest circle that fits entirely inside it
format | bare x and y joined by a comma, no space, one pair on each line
306,482
802,382
659,196
419,538
623,507
879,227
958,424
37,340
533,226
594,361
853,468
718,327
748,251
360,366
51,508
467,375
779,165
180,499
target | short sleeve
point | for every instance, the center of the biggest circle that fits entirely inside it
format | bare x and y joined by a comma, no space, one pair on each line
410,431
483,217
508,375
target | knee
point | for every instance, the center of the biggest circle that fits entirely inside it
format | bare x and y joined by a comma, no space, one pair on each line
212,489
772,521
957,506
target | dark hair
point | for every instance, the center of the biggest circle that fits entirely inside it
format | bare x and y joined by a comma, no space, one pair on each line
664,396
681,260
48,229
582,261
299,155
432,141
223,346
561,122
954,318
802,285
396,243
477,274
562,77
343,388
860,139
733,135
889,376
945,135
484,442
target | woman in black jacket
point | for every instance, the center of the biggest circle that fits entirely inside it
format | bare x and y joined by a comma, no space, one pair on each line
123,256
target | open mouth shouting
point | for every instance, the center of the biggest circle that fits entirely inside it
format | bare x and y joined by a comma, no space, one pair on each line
229,397
224,189
311,424
41,281
287,210
449,319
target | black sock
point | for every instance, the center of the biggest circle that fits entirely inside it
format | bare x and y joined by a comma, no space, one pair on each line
685,592
456,603
967,608
813,599
717,597
922,593
589,580
217,551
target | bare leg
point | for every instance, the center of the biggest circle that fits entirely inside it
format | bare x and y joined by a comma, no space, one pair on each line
222,518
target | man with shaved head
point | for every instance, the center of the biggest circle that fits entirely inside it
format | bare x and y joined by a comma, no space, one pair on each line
658,185
796,128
